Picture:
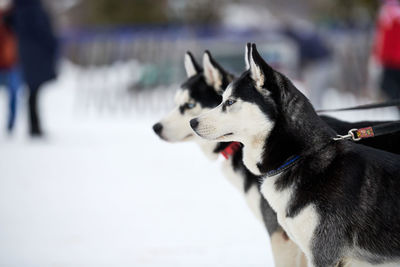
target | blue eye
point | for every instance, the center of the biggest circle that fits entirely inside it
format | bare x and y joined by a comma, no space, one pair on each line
190,105
230,102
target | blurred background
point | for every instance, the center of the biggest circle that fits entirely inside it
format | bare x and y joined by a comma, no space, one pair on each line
83,179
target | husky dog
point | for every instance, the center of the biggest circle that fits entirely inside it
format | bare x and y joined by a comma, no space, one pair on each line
337,200
199,93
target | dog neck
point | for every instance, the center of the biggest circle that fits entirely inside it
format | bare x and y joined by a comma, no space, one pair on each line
208,148
253,151
297,131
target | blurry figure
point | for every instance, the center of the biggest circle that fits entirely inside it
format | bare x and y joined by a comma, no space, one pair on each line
315,59
9,73
37,48
387,47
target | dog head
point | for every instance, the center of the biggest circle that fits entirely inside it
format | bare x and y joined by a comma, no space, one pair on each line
249,107
200,92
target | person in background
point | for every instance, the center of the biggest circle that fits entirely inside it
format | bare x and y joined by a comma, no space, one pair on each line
37,51
9,73
387,47
315,59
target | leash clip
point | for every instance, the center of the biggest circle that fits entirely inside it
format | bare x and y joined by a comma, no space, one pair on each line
350,135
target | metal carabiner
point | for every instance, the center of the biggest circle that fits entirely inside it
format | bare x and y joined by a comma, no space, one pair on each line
350,135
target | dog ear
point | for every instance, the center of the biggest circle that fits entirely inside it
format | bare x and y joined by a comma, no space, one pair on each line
214,74
191,66
212,71
260,71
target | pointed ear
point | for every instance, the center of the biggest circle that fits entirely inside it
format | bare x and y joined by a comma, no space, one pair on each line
259,69
214,74
191,66
247,55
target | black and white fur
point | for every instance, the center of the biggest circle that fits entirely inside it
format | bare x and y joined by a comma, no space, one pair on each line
199,93
339,201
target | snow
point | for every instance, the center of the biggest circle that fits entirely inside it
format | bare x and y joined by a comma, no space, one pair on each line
103,190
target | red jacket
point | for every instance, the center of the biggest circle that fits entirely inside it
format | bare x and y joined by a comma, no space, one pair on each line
8,44
387,41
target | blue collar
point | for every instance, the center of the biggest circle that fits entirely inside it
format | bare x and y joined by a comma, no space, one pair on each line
291,161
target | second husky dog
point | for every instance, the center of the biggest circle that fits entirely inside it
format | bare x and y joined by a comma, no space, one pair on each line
337,200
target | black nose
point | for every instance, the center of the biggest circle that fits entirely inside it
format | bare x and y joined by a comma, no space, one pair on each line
194,123
157,128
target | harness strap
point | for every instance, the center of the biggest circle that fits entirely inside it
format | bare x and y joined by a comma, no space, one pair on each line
371,131
389,103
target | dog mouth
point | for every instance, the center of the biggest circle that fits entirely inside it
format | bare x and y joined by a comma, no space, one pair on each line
176,140
223,136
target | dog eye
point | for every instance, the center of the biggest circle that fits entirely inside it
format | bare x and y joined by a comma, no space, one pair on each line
190,105
230,102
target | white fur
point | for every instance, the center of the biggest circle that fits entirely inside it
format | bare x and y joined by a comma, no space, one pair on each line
286,252
299,228
302,227
278,200
252,196
252,154
253,199
176,125
207,148
189,66
181,97
215,124
211,73
228,92
234,177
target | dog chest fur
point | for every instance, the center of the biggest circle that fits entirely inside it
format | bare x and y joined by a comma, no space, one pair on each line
252,195
299,228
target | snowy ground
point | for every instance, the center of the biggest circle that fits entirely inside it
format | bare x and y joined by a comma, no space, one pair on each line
104,191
